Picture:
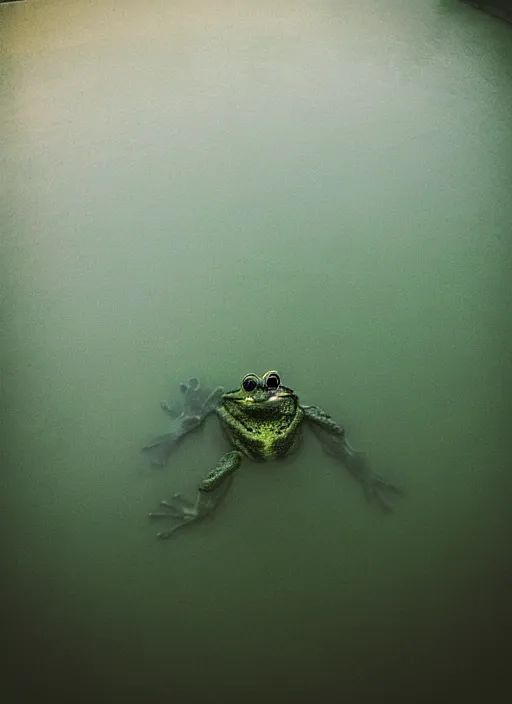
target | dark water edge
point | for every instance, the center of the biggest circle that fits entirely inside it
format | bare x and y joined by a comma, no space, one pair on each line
502,9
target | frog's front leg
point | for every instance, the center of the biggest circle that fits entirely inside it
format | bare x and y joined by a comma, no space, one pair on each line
334,443
211,402
211,492
190,402
195,409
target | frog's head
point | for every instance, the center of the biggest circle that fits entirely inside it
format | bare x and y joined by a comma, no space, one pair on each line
265,390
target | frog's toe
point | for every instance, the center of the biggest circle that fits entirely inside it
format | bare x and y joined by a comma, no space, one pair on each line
179,509
381,492
193,383
179,504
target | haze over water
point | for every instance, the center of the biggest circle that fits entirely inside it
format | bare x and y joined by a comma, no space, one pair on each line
214,188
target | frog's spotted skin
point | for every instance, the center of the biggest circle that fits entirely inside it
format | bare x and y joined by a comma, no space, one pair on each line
262,421
264,427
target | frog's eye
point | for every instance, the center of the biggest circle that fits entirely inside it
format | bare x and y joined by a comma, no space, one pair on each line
249,382
272,380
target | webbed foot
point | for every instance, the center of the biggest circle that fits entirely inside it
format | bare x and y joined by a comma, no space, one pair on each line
380,491
191,401
182,511
179,509
377,489
196,404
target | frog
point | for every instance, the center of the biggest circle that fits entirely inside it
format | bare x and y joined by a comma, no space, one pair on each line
262,421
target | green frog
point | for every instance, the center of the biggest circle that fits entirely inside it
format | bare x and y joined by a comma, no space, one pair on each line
262,421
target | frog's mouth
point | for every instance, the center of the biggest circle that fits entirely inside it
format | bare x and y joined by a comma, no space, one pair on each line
263,396
274,396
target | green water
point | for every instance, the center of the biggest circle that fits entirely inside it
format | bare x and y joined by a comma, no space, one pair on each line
213,188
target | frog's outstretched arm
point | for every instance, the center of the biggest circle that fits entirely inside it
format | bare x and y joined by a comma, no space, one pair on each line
192,396
195,408
211,492
332,438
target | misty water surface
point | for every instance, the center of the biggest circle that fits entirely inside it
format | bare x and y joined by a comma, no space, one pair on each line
213,188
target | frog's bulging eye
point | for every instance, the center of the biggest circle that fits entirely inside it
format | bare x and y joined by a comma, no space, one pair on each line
249,383
273,380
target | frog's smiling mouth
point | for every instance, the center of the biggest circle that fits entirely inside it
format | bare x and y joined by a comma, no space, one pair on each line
265,399
265,396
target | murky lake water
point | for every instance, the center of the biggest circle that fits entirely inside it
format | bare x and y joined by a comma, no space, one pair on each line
214,188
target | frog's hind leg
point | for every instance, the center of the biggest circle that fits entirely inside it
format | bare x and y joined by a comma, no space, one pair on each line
376,488
181,511
211,492
331,435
